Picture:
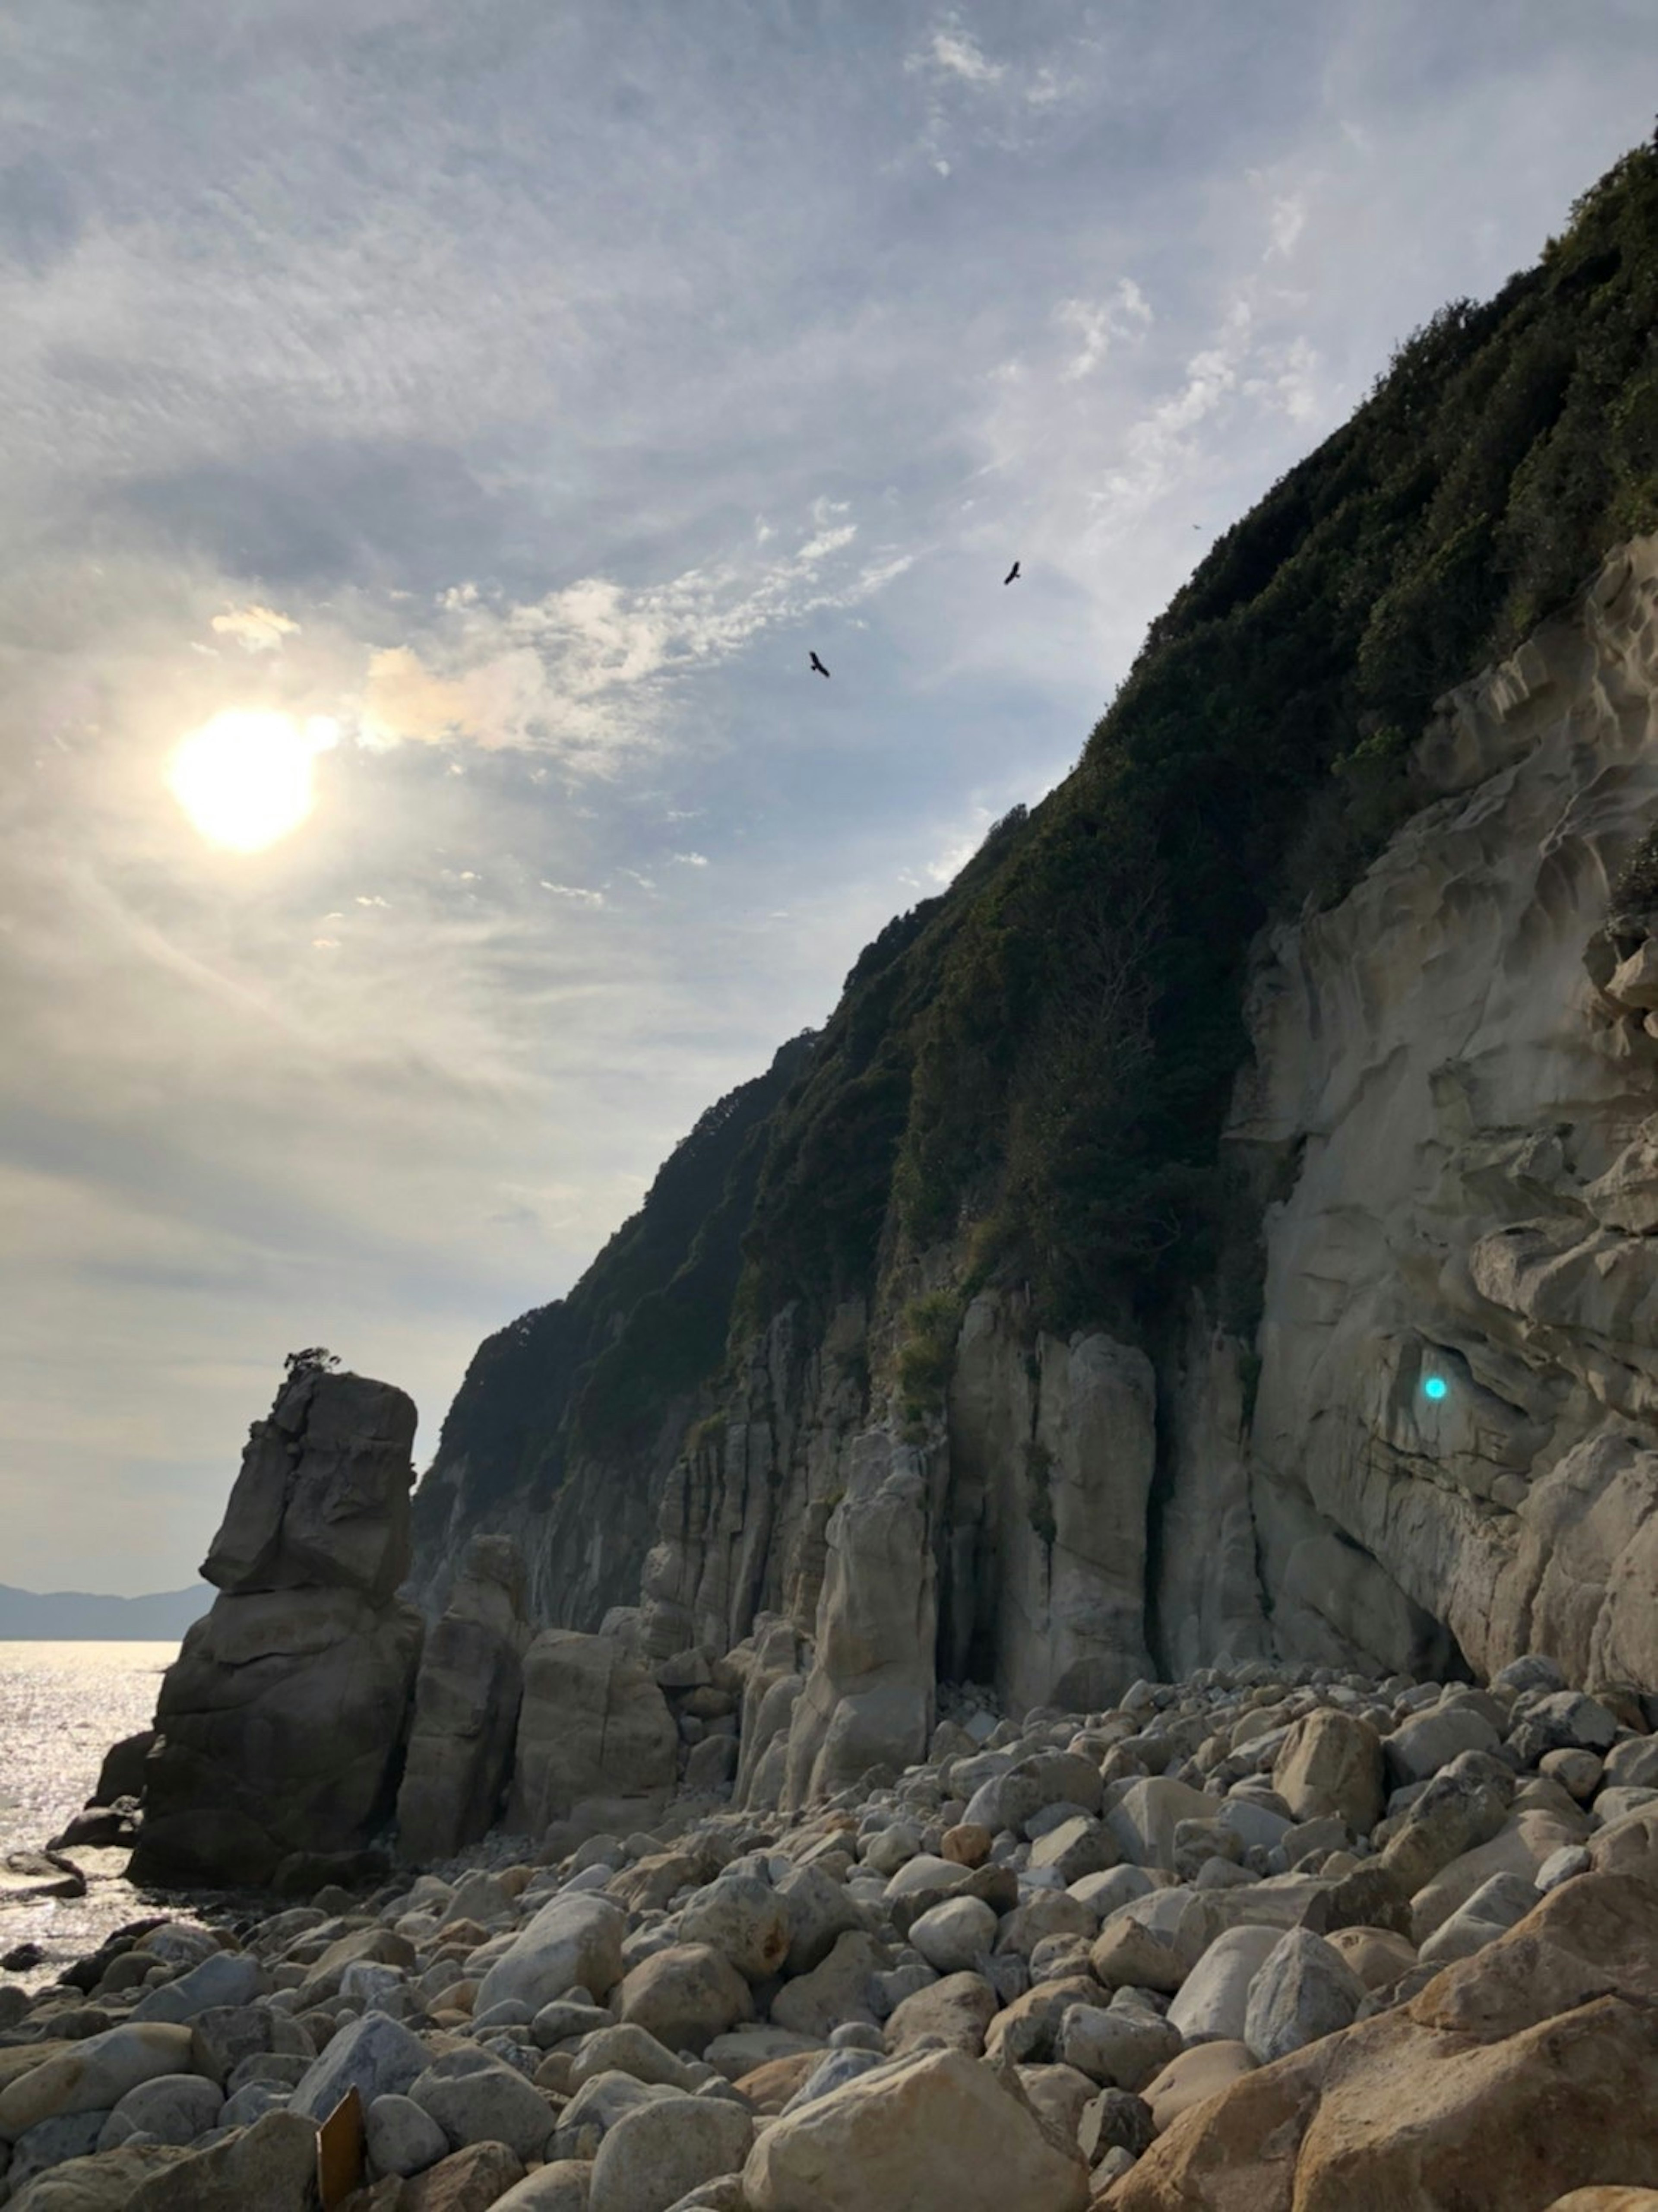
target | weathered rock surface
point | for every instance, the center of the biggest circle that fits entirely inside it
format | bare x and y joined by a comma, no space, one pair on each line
593,1729
467,1696
281,1722
935,2133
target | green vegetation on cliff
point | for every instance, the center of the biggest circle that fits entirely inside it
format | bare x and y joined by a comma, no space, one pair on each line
1034,1066
1042,1057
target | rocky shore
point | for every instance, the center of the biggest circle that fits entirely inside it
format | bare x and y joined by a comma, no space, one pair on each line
1261,1938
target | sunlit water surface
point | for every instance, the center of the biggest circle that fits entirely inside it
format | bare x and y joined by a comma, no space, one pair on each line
62,1705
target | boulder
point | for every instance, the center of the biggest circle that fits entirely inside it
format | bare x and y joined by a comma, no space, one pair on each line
402,2138
937,2132
561,2186
282,1720
1302,1990
572,1942
592,1726
744,1919
92,2075
1331,1762
466,1706
475,2098
104,2182
686,1996
956,2011
374,2056
1144,1820
470,2180
269,2167
1120,2046
1192,2078
837,1990
1419,1747
1214,1999
954,1936
658,2154
171,2108
1536,2058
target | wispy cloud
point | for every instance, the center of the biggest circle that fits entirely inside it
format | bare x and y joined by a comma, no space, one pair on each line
952,51
257,629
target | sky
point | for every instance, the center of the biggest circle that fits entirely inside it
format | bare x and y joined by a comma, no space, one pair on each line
475,416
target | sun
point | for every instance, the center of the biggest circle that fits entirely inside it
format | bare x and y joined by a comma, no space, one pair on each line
245,779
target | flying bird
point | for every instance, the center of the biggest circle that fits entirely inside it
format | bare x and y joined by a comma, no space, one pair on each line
1012,575
818,666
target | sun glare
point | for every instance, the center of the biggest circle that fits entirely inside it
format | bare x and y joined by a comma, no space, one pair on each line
245,779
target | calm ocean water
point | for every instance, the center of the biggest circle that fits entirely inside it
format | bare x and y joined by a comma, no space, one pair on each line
61,1707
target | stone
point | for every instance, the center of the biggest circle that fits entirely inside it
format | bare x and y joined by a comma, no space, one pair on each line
92,2075
1076,1847
956,2011
1127,1954
571,1941
1144,1820
467,1695
1120,2047
55,2143
1376,1956
1114,2119
711,1765
820,1912
1027,2030
1578,1773
104,2182
475,2179
837,1990
1331,1762
933,2133
686,1996
1417,1750
1537,2057
374,2056
1495,1907
172,2108
771,2086
1519,1847
561,2186
966,1843
1303,1990
269,2167
953,1935
627,2048
1213,2002
657,2156
223,2038
592,1726
282,1720
1197,2074
742,1918
229,1977
475,2099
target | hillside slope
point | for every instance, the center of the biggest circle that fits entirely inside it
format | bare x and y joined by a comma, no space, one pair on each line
1001,1245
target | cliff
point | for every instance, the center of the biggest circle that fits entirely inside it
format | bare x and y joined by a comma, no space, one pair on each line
1223,1221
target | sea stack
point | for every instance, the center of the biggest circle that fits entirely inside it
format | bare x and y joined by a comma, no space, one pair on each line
281,1724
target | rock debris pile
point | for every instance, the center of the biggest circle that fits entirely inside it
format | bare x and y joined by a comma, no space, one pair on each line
1366,1943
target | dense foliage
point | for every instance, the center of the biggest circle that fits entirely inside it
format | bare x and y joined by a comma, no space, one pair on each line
1039,1061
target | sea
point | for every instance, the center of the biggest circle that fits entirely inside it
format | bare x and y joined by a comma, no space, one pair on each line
61,1707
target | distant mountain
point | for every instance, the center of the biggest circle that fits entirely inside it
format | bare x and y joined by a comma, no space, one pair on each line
74,1616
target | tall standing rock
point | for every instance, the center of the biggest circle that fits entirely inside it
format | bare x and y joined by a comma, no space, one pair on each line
868,1700
466,1707
283,1719
597,1745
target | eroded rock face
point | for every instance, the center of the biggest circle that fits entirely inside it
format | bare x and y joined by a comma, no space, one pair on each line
280,1722
594,1728
868,1700
1457,1350
466,1707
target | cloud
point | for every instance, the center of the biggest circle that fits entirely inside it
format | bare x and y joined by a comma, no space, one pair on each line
256,630
692,860
593,671
955,52
574,892
1100,325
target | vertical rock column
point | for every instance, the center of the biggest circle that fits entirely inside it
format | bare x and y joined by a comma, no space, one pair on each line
466,1707
282,1722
